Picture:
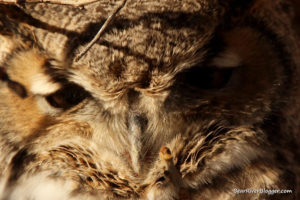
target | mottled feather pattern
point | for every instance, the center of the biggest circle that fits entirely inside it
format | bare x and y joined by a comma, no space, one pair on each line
176,100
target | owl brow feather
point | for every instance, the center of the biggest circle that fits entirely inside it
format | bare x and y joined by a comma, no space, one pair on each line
101,30
75,3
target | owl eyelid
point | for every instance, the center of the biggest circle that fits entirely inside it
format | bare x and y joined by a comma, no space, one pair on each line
16,87
226,59
68,96
207,77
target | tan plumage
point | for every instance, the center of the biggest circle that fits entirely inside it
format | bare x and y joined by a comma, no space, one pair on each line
177,100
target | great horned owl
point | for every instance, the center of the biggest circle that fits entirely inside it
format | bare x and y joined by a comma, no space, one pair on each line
194,99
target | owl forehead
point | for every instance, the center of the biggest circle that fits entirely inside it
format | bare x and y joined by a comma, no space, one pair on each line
155,41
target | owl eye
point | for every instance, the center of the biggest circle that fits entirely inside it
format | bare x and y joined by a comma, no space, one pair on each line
70,95
208,77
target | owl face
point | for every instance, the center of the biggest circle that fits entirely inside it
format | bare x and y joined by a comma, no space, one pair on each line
167,100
